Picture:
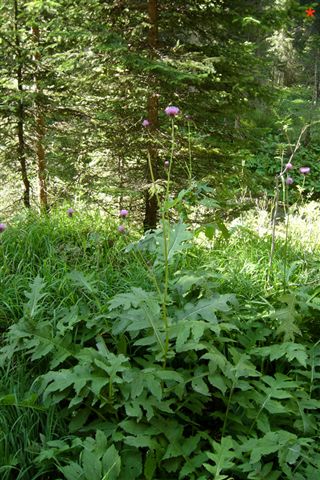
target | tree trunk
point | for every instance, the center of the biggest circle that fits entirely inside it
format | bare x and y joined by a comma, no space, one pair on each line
151,206
40,127
316,79
20,114
308,135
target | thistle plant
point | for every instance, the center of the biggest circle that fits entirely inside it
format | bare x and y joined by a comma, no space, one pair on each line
286,181
172,112
167,234
304,171
123,215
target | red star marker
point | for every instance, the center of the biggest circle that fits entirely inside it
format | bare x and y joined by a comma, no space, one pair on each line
310,12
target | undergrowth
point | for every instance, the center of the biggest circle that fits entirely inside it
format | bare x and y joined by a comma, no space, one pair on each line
85,394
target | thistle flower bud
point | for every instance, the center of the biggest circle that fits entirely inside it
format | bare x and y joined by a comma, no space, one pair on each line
172,111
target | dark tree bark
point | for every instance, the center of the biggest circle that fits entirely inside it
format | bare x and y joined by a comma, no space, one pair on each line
21,113
151,205
316,87
315,100
40,127
153,34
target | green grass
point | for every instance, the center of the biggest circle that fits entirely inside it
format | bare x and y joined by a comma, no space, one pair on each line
241,263
54,246
23,424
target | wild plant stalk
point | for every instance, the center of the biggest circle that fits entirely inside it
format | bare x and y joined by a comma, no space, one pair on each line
189,169
166,240
280,176
227,410
285,203
301,189
273,234
166,263
313,365
285,193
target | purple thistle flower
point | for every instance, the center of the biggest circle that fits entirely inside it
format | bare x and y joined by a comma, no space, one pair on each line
123,213
172,111
289,166
289,181
166,164
146,123
70,212
304,170
3,226
121,228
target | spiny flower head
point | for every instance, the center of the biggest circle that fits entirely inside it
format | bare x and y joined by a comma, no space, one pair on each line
289,181
123,212
3,226
145,123
166,164
121,228
304,170
70,212
172,111
289,166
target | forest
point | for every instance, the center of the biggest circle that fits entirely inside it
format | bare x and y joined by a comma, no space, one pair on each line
159,240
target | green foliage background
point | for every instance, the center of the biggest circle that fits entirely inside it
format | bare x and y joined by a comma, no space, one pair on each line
188,352
242,72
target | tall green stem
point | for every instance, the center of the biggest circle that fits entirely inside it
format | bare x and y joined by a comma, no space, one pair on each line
190,154
273,235
302,189
285,194
285,210
166,240
227,410
171,158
